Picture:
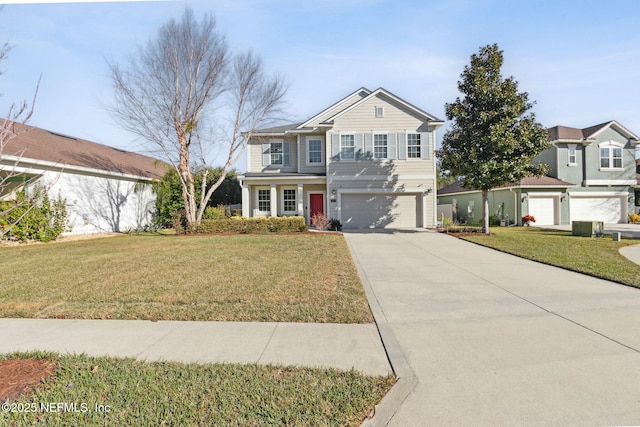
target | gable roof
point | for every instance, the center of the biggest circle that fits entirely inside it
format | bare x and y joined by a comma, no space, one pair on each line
564,133
528,182
384,92
345,102
47,148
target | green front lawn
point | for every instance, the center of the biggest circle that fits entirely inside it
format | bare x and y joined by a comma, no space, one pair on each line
594,256
269,277
124,392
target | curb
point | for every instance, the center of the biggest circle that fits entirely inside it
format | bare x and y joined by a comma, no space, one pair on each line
386,409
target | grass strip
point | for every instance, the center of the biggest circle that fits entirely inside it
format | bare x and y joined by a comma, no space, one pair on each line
101,391
597,257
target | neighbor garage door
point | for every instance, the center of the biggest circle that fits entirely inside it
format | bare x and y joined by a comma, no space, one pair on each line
379,210
605,209
543,210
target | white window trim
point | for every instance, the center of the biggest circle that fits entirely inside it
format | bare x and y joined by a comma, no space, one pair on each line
295,210
256,210
373,145
610,145
340,147
575,155
276,141
322,150
406,139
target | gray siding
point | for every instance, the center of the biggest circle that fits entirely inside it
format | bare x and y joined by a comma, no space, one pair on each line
302,157
256,154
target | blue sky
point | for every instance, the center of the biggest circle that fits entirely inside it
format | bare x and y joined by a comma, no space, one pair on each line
579,60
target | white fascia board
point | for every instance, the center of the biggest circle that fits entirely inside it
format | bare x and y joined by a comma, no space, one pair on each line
583,141
342,101
379,177
587,194
432,119
260,180
633,137
25,165
381,191
544,194
610,182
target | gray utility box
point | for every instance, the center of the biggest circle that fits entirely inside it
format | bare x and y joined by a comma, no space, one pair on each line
587,228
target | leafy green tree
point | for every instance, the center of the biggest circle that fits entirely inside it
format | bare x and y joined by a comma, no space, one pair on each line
492,140
169,199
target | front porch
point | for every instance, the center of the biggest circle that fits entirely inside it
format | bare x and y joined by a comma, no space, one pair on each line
277,195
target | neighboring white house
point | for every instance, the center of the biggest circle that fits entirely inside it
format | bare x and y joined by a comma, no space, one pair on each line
367,160
106,189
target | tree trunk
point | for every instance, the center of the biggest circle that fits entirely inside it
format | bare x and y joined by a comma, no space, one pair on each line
485,212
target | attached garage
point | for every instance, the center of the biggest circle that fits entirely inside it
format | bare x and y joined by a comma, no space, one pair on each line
389,210
605,208
544,210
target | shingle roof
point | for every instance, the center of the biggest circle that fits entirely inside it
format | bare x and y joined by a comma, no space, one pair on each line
568,133
43,145
533,181
276,129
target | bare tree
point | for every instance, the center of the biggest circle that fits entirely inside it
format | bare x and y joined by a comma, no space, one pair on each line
183,82
10,127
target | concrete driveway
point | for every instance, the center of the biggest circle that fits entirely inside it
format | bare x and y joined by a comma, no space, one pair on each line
479,337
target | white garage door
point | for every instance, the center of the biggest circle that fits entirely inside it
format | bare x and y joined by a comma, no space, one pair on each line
543,210
379,210
605,209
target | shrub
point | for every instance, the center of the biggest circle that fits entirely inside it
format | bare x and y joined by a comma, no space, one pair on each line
217,212
494,220
335,225
288,224
528,219
320,221
447,222
34,216
634,218
179,221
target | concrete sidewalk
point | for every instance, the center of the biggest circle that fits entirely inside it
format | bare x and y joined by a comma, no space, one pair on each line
478,337
304,344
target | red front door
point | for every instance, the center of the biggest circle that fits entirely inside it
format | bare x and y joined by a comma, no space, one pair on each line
316,204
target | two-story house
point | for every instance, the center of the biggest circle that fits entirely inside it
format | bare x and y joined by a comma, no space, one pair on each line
592,178
367,160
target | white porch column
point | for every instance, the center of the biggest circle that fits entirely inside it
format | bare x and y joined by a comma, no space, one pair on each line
274,201
300,201
246,201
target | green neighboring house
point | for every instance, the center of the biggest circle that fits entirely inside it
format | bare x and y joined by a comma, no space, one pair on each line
592,177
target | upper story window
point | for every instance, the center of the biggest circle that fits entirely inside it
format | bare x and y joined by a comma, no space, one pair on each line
379,112
572,159
610,156
380,146
314,151
347,147
276,153
413,146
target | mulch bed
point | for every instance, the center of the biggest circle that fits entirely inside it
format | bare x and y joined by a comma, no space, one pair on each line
21,376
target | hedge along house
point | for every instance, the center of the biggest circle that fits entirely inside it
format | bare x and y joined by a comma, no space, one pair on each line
106,189
367,160
592,178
